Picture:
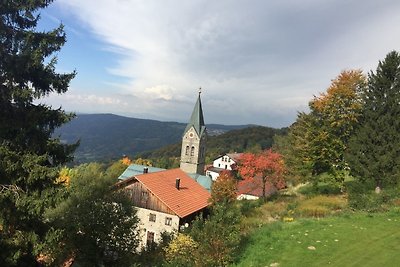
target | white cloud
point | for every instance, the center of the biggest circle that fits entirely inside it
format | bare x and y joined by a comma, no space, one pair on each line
86,102
256,60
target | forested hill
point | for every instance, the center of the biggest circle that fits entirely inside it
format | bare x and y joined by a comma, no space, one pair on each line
104,137
250,139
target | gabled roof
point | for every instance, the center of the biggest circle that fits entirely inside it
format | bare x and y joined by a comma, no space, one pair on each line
136,169
235,156
190,198
197,119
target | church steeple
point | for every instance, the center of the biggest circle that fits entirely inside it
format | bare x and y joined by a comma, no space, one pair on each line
197,119
194,141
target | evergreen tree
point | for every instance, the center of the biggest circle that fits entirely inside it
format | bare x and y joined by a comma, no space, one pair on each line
29,156
374,150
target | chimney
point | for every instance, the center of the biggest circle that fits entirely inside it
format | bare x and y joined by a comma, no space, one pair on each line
177,183
145,170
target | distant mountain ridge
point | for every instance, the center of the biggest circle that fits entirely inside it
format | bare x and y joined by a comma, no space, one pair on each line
105,137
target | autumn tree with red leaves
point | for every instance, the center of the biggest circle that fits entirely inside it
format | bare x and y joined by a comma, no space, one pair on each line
268,166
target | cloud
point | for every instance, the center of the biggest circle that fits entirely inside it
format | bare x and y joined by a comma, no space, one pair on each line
86,102
260,61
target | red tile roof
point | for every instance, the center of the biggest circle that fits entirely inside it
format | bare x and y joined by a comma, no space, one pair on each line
254,187
191,196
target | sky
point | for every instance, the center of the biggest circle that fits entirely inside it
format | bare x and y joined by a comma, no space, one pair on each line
257,62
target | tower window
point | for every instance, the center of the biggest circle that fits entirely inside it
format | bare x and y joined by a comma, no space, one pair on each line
187,150
192,151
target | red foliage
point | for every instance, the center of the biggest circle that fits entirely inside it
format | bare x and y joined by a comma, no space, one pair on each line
267,165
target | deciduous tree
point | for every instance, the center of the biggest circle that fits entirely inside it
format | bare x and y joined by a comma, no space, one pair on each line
96,224
318,140
223,190
334,117
267,166
218,236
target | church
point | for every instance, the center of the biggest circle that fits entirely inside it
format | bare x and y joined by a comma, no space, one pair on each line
168,200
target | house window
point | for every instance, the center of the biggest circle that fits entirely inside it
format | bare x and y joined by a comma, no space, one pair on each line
226,167
192,151
168,221
187,150
152,217
150,239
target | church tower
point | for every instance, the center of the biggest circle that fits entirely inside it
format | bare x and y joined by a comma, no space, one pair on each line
193,150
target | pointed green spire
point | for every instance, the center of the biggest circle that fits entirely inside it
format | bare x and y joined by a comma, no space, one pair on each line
197,119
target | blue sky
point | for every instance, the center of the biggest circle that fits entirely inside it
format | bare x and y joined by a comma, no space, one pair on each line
257,61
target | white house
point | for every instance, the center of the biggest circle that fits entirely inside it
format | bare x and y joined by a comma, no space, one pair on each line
224,162
165,200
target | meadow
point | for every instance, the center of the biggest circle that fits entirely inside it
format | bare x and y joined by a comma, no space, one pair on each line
301,234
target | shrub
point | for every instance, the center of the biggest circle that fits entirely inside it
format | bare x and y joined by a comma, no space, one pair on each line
248,206
320,189
180,251
320,206
362,196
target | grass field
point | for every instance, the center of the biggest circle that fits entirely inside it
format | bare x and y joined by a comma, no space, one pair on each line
350,239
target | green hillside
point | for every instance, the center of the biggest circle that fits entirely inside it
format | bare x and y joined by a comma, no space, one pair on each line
241,140
104,137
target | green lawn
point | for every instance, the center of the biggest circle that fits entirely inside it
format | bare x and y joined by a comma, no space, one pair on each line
348,240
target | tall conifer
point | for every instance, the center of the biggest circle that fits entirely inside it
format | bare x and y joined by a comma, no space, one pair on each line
374,150
29,156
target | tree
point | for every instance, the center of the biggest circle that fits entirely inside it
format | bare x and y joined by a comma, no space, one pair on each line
96,224
334,117
29,156
294,148
181,250
223,190
317,141
374,150
218,236
267,166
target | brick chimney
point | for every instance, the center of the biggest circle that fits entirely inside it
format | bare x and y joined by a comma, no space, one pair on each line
145,170
177,183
